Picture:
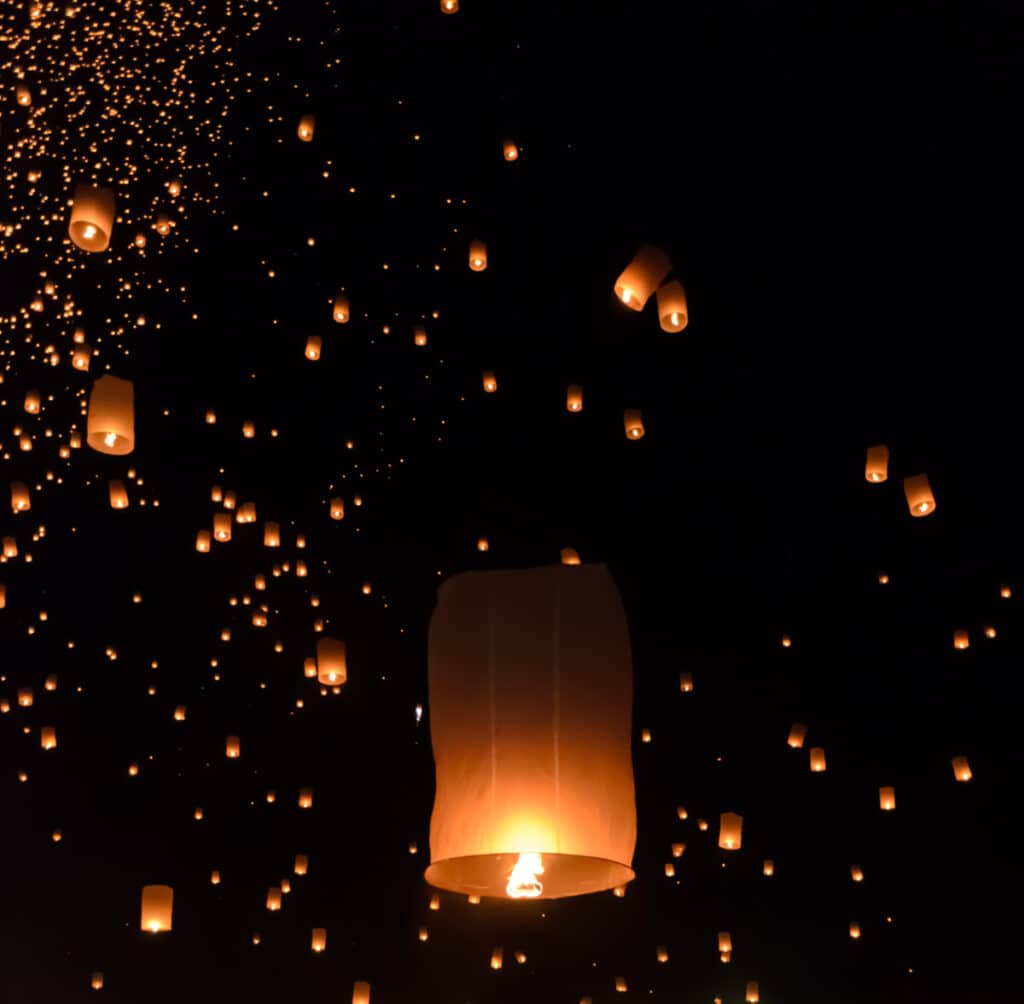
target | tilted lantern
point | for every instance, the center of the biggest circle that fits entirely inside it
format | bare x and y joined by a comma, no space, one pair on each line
642,276
530,684
961,768
110,426
331,668
672,312
157,908
92,217
918,491
797,735
510,150
876,468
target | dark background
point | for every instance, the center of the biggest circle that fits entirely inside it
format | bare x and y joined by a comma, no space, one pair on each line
838,191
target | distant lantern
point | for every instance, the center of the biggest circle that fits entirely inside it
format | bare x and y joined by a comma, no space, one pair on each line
246,513
482,544
817,760
419,335
961,768
449,6
305,798
854,930
248,429
274,898
337,508
876,468
203,541
477,256
621,986
677,850
331,667
672,306
797,735
222,527
661,953
989,631
919,496
313,344
20,499
569,556
157,908
510,150
309,668
547,638
1005,592
81,358
490,383
48,737
574,397
768,868
856,873
497,957
3,595
24,96
685,683
319,941
92,217
179,713
634,423
233,747
118,495
961,639
307,125
32,402
110,424
340,310
753,993
215,878
271,534
26,696
642,276
301,864
724,942
730,831
670,870
164,224
361,991
96,982
211,417
887,798
787,642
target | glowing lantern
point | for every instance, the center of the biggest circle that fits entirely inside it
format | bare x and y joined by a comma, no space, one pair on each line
797,735
81,358
526,643
672,306
32,402
677,850
670,870
768,868
337,508
753,995
10,547
118,495
449,6
274,898
246,513
856,873
919,496
157,908
817,759
989,631
222,527
497,957
490,383
309,668
24,96
25,697
203,541
48,737
482,544
3,595
876,468
319,942
96,982
215,878
361,992
305,798
20,500
686,683
510,150
574,398
92,217
477,256
313,343
961,768
887,798
301,864
233,748
730,831
340,310
854,930
642,276
961,640
621,986
331,667
661,953
1005,592
724,942
419,335
307,124
110,426
271,534
569,556
634,423
179,713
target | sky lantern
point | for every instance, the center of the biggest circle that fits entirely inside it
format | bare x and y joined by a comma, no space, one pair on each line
307,126
753,995
854,930
25,697
313,345
887,798
817,760
274,898
961,768
876,468
797,735
449,6
685,682
856,873
157,908
319,940
724,942
222,527
337,508
271,534
361,990
768,868
340,310
730,831
574,398
32,402
96,981
509,150
110,426
569,556
918,492
331,667
118,494
521,810
48,737
305,798
672,312
3,595
642,276
81,358
477,256
92,217
497,957
490,382
634,423
20,500
419,335
961,639
233,748
23,95
301,864
203,541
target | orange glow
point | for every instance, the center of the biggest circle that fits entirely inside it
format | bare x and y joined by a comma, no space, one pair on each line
522,881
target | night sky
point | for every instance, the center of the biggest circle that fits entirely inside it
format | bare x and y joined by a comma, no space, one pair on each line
839,193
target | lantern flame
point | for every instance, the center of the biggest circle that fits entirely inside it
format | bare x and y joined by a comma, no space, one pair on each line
110,439
523,882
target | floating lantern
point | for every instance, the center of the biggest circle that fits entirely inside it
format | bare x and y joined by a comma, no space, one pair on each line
670,870
271,534
876,467
854,930
482,544
753,993
32,402
203,541
305,798
677,850
215,878
621,986
686,683
490,383
1005,592
768,868
435,902
724,942
337,508
797,735
48,737
313,344
361,992
96,981
634,423
110,425
157,908
574,398
449,6
477,256
961,768
553,826
817,759
887,798
672,306
26,696
497,957
246,513
20,500
340,311
222,527
331,667
274,898
92,217
179,713
989,631
509,150
961,640
233,747
919,496
307,125
118,495
24,96
419,335
569,556
81,358
661,953
856,873
730,831
642,276
248,429
319,942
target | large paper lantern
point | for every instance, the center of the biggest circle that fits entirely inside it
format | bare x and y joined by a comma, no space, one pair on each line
361,992
918,491
672,313
531,691
331,668
157,908
730,831
110,426
642,276
876,467
92,217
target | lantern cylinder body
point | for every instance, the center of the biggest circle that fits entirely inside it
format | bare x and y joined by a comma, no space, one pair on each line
730,831
319,942
92,217
361,992
110,427
477,256
530,685
642,276
797,735
918,492
876,467
961,768
817,759
313,345
671,300
887,798
307,126
118,495
340,311
331,667
574,398
20,499
222,527
633,422
753,995
569,556
157,908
